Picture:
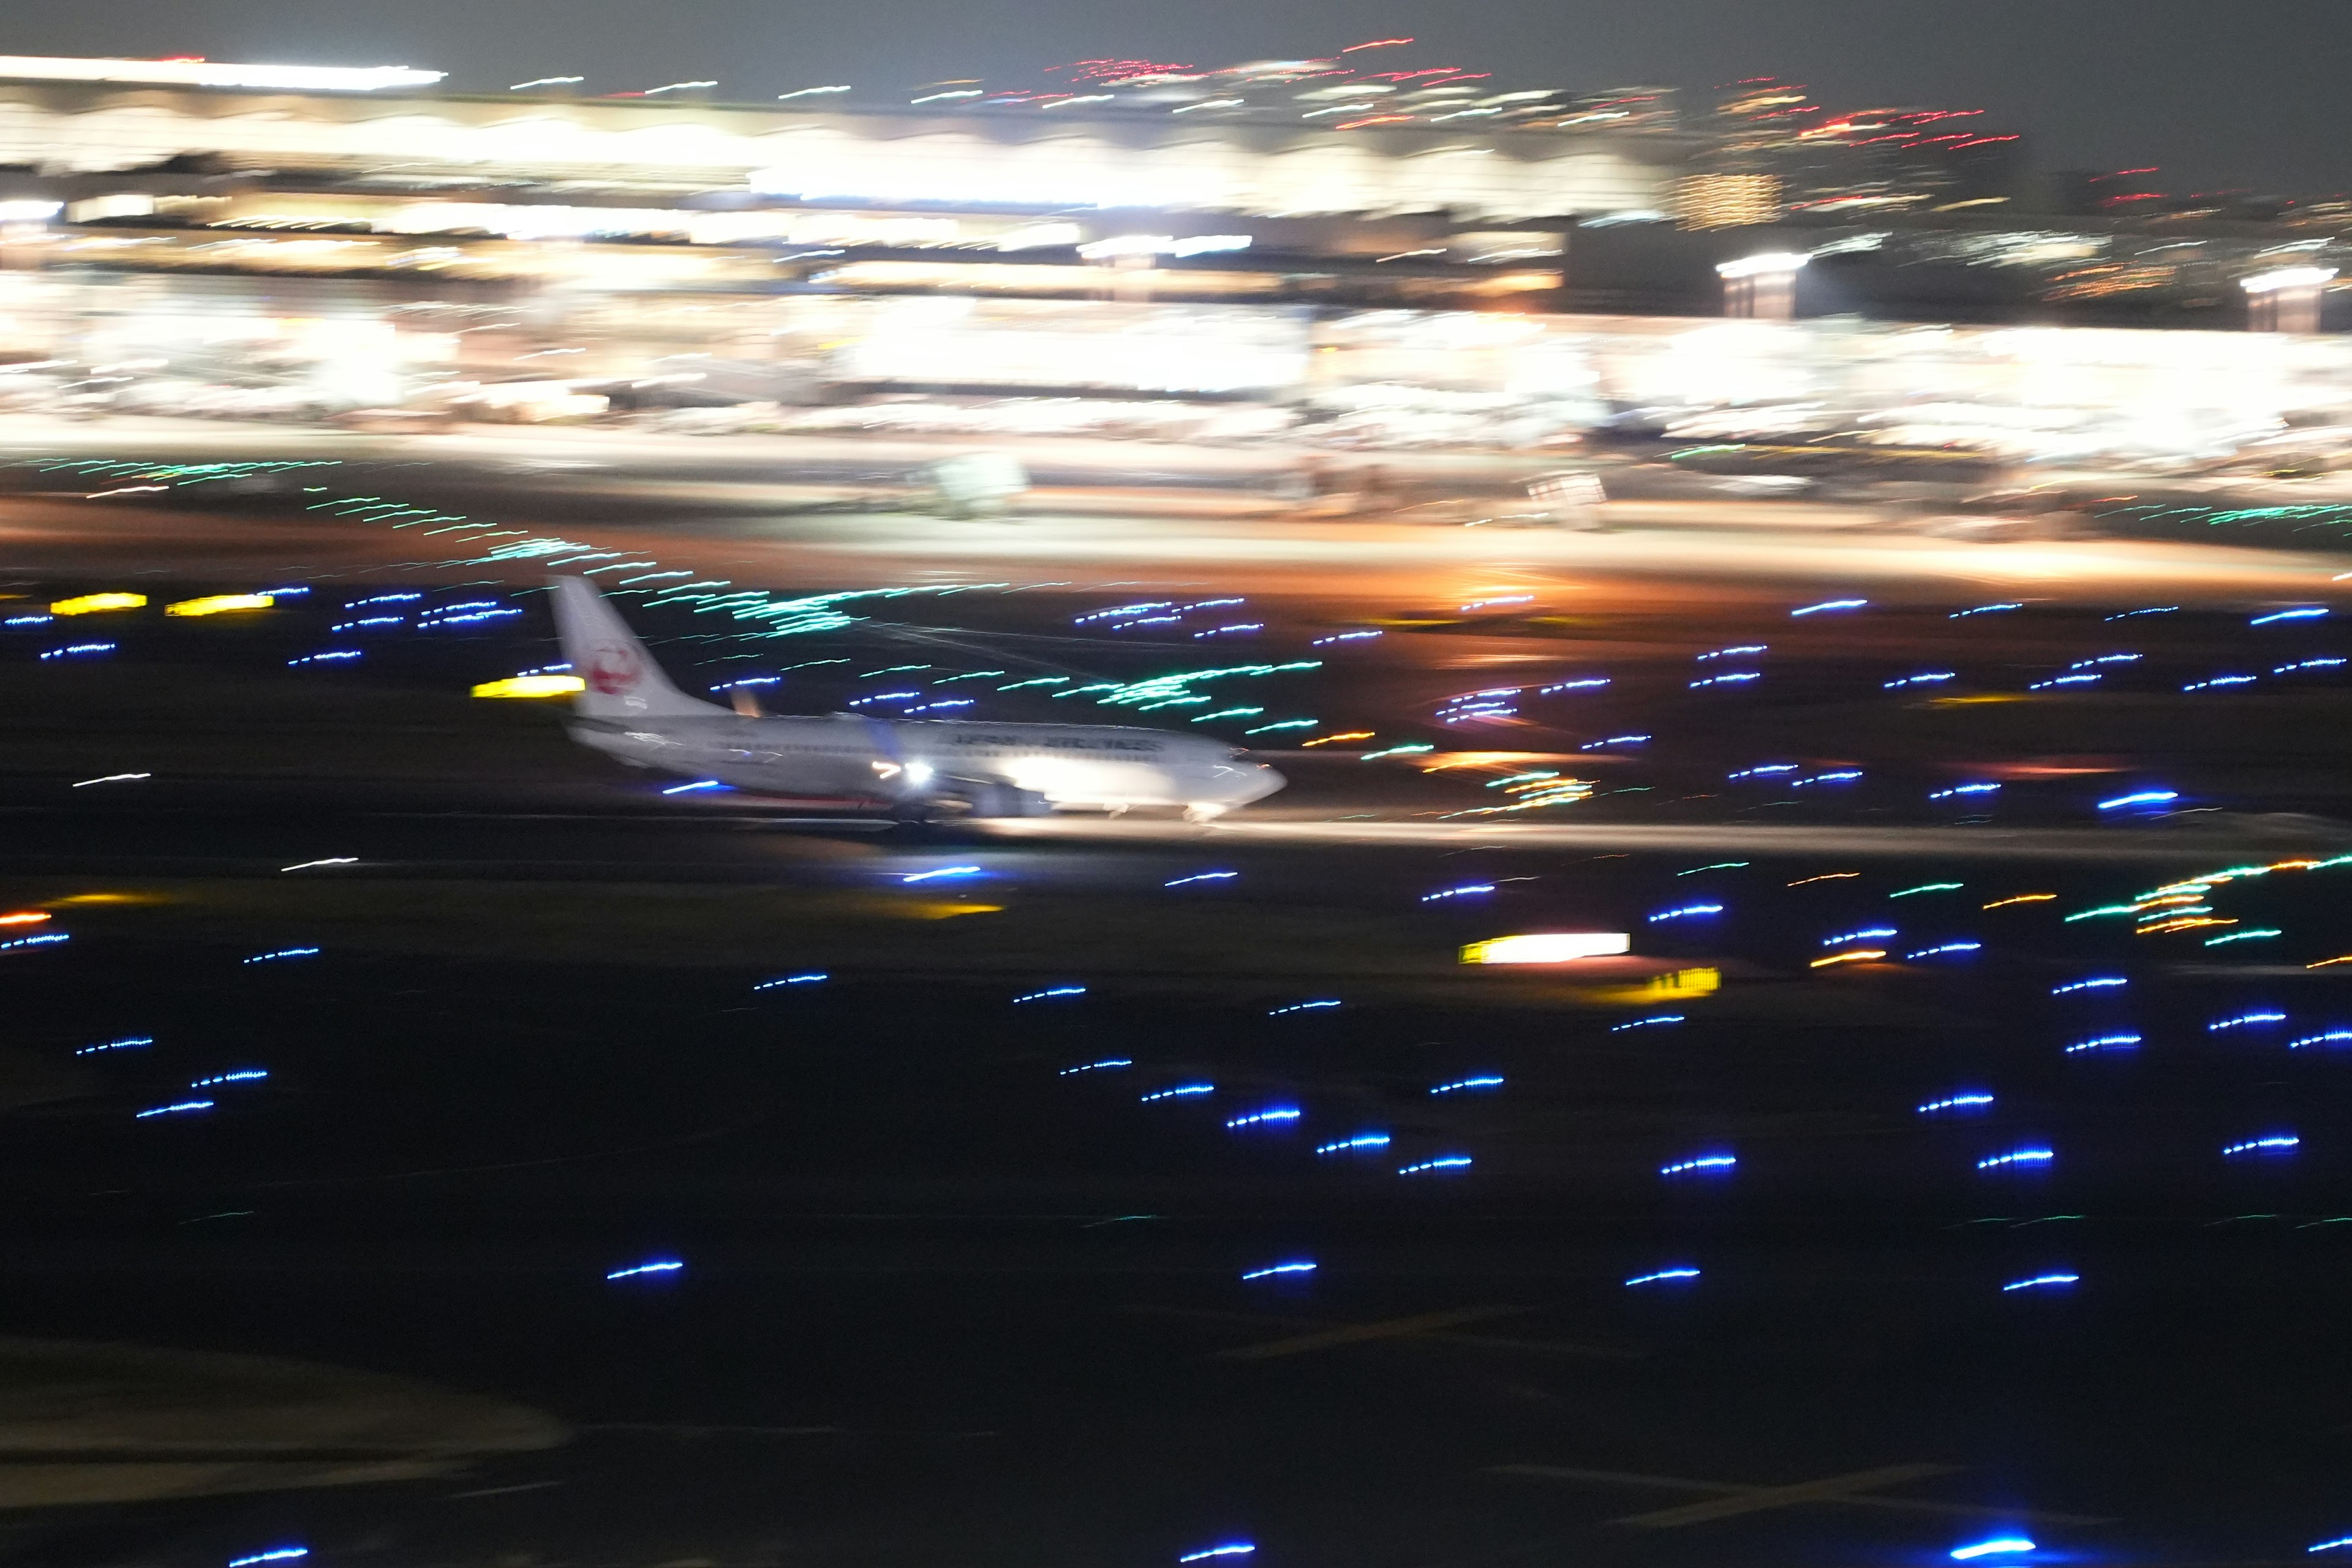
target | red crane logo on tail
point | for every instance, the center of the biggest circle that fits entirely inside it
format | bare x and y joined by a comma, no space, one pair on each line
613,670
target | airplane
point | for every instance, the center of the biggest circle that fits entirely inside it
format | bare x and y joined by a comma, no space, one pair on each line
912,768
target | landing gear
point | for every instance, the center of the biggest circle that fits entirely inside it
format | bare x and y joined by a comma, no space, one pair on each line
1201,813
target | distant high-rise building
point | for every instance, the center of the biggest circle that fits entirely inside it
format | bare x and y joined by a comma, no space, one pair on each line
1725,201
1906,160
1886,160
1619,109
2116,192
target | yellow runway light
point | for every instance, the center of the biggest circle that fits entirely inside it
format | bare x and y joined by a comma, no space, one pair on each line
221,605
94,603
532,686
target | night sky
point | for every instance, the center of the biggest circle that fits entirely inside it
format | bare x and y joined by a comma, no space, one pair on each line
2248,94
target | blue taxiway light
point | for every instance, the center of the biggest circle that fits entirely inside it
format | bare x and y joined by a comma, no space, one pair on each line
1663,1276
116,1046
2242,1019
1955,1102
665,1266
2042,1283
2307,613
1490,1081
1203,876
1180,1092
1857,936
282,952
39,941
2018,1157
1269,1272
1685,911
1646,1023
1703,1163
1360,1140
1103,1066
1300,1007
1231,1549
934,875
1261,1118
2330,1036
2096,983
1123,610
1947,947
1829,605
185,1105
2143,797
2274,1144
695,788
275,1555
2103,1043
1046,995
1998,1546
810,979
49,941
1445,1162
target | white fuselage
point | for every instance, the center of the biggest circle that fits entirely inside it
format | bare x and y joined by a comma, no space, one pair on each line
886,761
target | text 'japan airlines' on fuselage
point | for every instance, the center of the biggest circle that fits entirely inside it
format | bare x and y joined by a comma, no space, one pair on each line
631,710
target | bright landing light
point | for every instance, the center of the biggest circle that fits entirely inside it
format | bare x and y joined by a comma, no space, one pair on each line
206,73
1549,947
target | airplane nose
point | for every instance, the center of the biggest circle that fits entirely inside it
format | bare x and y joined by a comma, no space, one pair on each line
1259,782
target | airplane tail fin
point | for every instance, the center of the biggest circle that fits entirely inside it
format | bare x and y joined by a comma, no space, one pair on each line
622,680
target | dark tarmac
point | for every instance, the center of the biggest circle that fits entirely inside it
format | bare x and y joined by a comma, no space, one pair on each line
944,1299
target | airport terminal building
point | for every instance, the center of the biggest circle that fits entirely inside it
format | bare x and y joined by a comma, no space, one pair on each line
358,173
186,237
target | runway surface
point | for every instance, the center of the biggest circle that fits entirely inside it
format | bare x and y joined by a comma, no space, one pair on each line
1961,1152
